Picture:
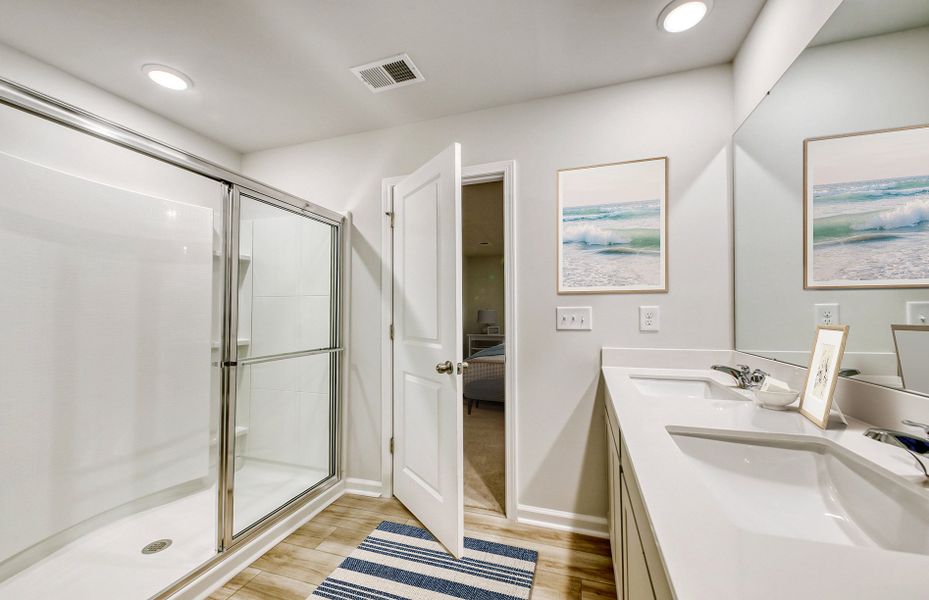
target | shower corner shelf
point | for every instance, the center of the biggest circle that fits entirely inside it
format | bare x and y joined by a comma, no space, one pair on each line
242,257
241,342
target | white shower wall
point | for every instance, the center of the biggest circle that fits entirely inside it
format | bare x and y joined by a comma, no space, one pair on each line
288,400
105,387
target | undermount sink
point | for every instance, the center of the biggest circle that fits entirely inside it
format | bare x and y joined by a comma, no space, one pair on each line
805,488
685,387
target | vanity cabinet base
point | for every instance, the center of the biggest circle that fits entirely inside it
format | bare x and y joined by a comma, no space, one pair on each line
637,565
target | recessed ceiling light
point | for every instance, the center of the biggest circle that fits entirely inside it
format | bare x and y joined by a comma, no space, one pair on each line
167,77
681,15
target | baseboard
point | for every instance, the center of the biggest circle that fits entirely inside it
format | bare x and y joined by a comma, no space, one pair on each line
363,487
562,521
204,585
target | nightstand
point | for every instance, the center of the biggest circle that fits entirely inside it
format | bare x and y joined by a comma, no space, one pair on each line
482,341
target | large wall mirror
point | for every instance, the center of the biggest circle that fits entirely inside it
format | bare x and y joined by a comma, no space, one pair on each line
831,184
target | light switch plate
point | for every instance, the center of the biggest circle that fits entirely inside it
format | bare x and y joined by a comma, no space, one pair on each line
827,314
577,318
917,313
649,318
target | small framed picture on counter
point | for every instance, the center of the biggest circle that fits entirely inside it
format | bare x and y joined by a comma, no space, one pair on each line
821,377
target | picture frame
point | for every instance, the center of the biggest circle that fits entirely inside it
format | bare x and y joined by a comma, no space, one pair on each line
816,397
863,203
911,346
612,226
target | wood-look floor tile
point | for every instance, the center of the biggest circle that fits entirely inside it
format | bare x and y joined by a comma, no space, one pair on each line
389,507
414,523
349,518
233,585
310,535
305,564
554,586
342,541
268,586
570,567
586,566
498,525
597,590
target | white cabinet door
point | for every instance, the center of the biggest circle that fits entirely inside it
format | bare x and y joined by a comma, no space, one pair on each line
428,455
637,584
616,510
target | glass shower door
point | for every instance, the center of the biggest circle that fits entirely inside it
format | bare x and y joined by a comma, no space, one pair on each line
286,356
108,394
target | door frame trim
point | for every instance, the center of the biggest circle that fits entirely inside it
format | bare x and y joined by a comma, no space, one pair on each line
504,171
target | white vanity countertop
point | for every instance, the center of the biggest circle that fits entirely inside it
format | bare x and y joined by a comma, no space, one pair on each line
706,555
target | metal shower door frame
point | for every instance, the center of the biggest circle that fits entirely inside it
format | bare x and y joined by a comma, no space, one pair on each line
235,185
230,362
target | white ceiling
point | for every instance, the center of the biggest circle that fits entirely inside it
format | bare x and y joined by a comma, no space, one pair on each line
271,73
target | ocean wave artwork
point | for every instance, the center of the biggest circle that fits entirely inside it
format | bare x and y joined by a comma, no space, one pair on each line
867,209
867,231
611,231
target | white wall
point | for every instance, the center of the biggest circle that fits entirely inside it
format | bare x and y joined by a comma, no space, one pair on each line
482,287
861,85
687,117
780,33
25,70
288,310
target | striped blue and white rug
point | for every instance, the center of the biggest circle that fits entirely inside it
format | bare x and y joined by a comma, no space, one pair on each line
399,562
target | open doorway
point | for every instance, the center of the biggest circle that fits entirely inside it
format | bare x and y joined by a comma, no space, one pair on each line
422,465
484,335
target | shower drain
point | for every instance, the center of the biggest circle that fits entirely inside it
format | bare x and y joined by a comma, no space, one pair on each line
156,546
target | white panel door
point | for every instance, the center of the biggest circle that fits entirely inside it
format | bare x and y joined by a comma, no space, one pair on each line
428,459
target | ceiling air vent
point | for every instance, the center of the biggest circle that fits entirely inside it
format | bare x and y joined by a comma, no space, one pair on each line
388,73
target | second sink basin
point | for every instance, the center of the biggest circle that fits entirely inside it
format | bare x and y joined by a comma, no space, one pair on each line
686,387
799,487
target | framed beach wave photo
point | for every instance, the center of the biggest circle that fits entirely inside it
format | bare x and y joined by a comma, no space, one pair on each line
866,210
612,228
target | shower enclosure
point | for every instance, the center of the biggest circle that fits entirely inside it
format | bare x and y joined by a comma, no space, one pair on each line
169,376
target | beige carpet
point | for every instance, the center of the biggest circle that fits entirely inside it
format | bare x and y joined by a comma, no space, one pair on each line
484,464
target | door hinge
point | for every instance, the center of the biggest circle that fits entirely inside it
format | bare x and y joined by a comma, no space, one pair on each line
391,445
390,215
391,331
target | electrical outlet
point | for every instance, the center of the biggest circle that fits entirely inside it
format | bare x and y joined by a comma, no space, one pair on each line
577,318
649,318
917,313
827,314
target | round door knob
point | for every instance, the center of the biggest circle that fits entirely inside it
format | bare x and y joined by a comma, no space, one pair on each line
462,367
445,367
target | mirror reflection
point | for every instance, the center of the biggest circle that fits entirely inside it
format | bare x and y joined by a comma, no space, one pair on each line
831,184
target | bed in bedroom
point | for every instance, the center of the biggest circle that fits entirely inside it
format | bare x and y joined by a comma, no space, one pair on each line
484,379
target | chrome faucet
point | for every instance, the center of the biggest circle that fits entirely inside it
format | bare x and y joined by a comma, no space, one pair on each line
914,445
743,374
